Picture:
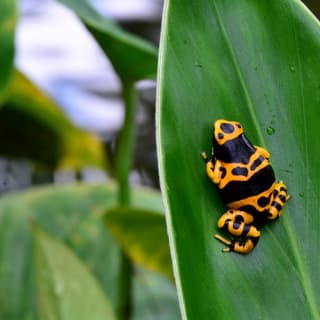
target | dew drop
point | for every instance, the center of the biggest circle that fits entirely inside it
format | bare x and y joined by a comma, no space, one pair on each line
301,194
292,68
271,131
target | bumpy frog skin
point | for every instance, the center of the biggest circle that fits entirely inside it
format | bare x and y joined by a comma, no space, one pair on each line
246,182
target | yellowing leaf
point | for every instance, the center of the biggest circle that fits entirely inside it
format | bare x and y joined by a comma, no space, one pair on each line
8,18
33,126
143,236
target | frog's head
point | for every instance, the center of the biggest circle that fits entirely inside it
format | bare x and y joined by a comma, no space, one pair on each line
224,130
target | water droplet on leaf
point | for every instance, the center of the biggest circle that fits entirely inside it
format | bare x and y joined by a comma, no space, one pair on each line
292,68
271,130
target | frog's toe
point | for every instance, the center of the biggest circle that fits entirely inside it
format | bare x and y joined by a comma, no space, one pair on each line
204,156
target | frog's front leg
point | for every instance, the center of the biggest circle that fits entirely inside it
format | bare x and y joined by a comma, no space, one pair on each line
280,197
263,152
213,168
238,223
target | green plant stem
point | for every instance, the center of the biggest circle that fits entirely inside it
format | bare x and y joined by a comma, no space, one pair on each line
123,161
124,309
126,142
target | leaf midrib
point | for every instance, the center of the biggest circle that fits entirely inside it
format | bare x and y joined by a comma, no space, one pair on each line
240,76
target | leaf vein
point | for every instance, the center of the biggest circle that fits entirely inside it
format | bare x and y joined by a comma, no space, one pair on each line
239,74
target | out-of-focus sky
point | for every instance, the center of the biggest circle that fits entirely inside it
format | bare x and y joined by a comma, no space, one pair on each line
55,50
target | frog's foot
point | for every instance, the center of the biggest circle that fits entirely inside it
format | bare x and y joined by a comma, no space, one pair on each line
238,223
280,197
204,156
243,247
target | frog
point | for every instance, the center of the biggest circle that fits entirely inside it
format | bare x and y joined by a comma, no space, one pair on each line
247,186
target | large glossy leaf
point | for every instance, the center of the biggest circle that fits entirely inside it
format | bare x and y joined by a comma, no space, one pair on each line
33,126
132,57
8,17
74,215
256,62
65,287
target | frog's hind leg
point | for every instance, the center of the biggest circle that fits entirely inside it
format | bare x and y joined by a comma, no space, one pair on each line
243,247
238,223
280,197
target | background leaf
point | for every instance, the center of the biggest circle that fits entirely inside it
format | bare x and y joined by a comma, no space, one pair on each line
143,236
66,289
74,215
8,18
258,63
133,58
33,126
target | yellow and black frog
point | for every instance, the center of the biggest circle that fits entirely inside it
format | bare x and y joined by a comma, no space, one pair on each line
247,185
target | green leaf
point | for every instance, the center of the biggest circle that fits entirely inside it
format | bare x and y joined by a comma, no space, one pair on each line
256,62
143,236
132,57
65,287
33,126
74,215
154,297
8,19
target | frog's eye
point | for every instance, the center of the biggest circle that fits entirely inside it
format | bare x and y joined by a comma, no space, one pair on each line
227,127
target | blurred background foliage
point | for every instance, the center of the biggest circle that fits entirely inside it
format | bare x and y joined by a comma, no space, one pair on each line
89,241
76,117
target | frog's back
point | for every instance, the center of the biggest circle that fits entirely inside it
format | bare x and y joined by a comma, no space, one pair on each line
258,183
247,177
